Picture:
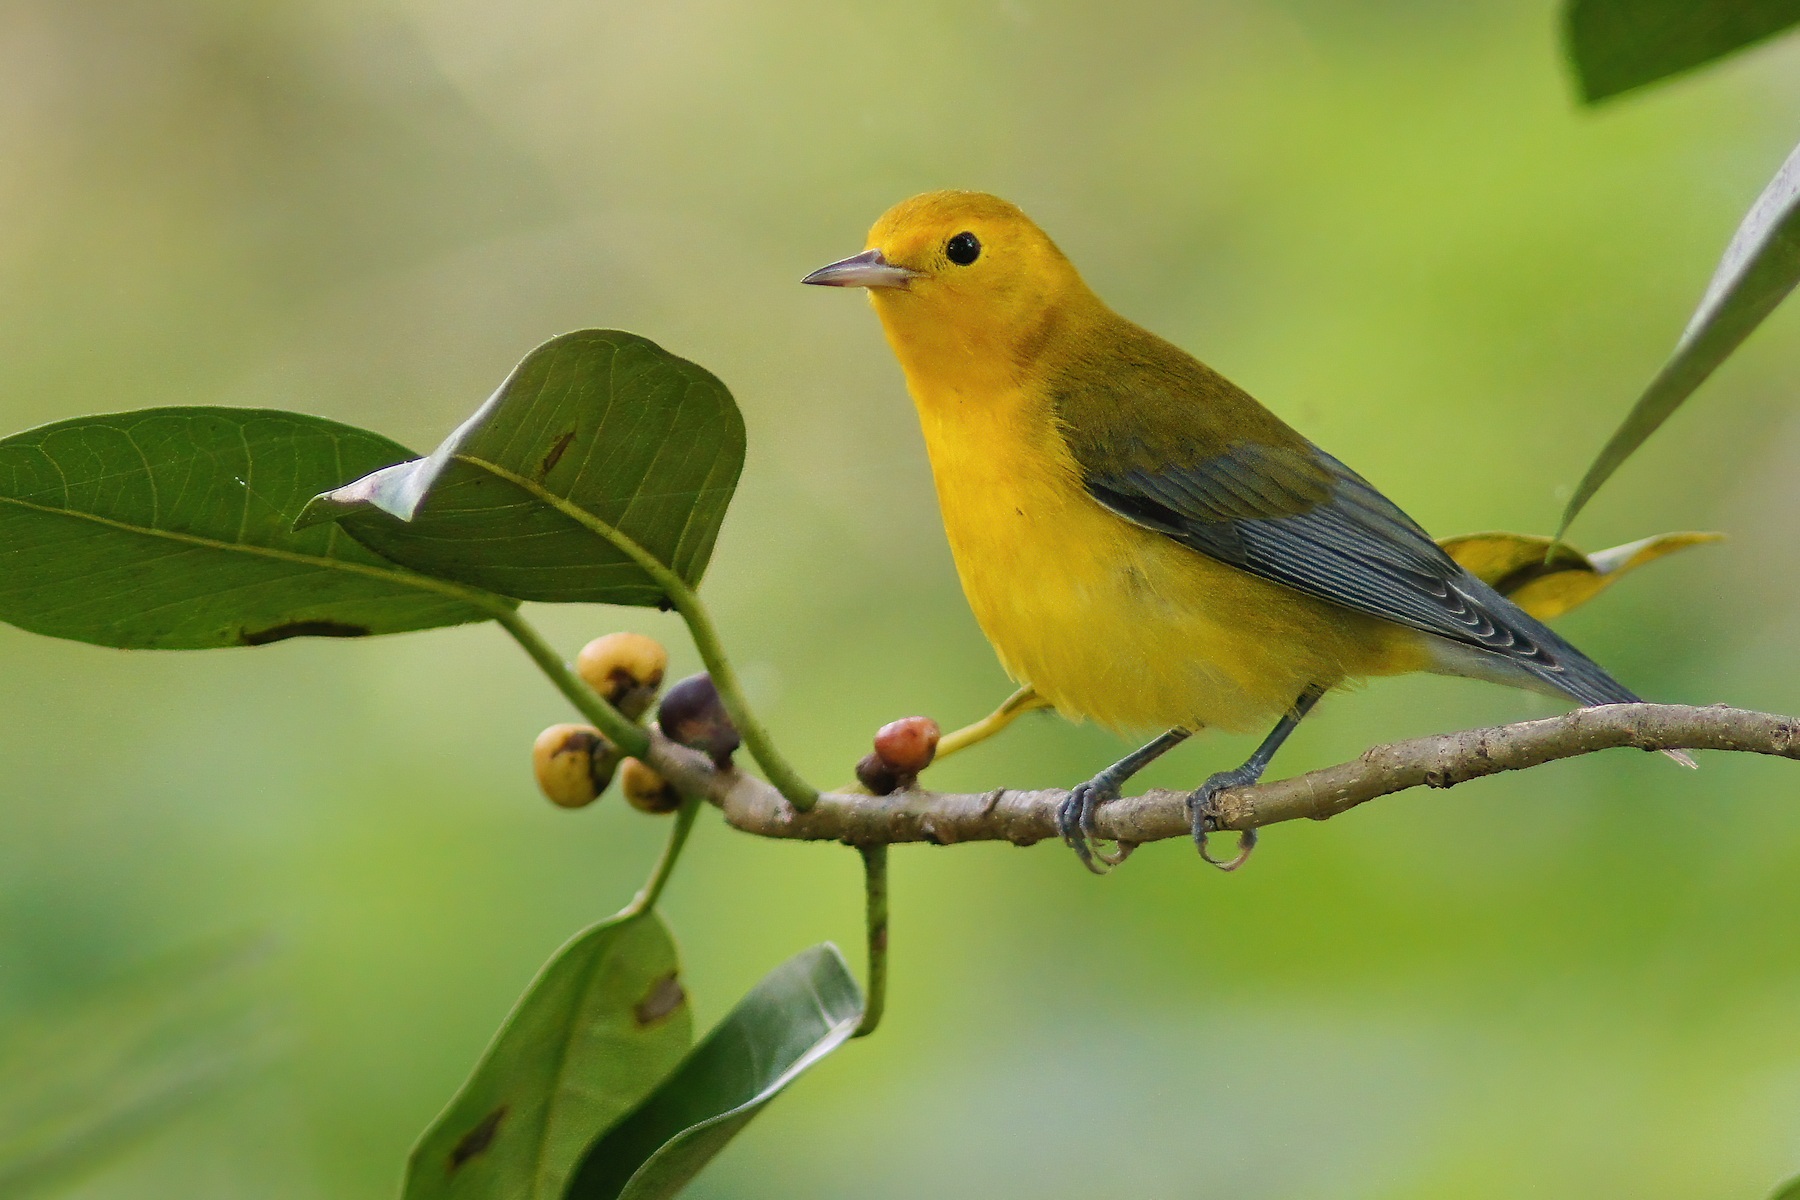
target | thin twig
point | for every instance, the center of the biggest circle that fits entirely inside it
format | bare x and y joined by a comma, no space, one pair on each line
1024,817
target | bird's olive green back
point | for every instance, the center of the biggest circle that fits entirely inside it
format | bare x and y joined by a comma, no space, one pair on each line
1129,401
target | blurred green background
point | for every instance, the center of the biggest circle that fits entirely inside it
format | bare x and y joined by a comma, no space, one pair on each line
1389,221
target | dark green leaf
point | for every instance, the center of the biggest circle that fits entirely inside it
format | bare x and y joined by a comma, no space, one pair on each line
1787,1191
601,451
171,529
601,1024
799,1013
1617,45
1759,269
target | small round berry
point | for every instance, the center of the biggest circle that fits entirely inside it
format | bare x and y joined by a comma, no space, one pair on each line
693,715
573,764
876,775
908,745
645,790
626,668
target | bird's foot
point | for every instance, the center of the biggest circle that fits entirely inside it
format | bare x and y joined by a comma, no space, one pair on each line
1075,822
1204,813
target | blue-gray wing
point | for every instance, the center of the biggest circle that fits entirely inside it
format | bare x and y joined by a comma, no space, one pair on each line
1302,519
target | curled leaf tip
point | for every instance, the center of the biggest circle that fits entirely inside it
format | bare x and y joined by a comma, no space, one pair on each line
1547,577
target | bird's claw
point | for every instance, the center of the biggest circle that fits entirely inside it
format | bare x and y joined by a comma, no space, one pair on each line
1246,843
1203,811
1075,822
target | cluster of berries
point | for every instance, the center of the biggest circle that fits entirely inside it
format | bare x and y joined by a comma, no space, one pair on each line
576,763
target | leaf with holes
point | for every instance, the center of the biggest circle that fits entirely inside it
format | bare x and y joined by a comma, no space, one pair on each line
1759,269
171,529
602,461
1617,45
800,1012
601,1024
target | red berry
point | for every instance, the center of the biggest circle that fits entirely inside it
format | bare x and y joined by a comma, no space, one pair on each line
908,745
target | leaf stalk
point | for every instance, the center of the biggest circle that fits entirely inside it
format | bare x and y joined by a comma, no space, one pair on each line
653,887
627,735
875,892
787,781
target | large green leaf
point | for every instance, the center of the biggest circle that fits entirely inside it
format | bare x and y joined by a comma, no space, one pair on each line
1617,45
601,1024
1760,267
601,451
170,529
1787,1191
799,1013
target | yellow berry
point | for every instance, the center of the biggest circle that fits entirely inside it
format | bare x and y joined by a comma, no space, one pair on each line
626,668
645,790
573,764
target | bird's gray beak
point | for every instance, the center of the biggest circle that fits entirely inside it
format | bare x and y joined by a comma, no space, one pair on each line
868,269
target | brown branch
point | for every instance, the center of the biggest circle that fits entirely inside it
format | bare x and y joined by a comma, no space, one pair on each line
1024,817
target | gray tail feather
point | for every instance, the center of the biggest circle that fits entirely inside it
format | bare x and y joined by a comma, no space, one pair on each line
1569,670
1583,679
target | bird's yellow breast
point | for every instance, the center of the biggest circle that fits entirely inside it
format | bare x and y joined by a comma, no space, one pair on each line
1106,619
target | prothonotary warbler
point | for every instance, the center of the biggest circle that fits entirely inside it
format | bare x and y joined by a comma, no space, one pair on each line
1143,543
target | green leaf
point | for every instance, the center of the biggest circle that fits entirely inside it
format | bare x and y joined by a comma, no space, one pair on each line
601,459
799,1013
1787,1191
599,1026
1617,45
171,529
1759,269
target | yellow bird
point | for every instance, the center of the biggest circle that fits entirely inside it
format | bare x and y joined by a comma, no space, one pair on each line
1142,542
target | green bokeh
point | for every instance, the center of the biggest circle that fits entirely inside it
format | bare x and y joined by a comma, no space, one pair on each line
1388,221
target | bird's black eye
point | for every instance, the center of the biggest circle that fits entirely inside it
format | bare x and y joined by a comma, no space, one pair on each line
962,249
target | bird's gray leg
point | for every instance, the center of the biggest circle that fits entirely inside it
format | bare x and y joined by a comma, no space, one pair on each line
1201,803
1075,817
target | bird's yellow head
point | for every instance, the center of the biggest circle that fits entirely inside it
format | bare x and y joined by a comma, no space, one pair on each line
966,286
